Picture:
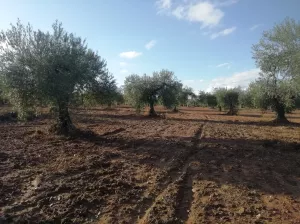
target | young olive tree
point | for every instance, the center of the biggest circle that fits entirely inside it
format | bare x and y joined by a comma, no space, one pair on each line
278,56
47,67
145,90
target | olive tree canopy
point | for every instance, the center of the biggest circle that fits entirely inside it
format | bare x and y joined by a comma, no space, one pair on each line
278,56
228,99
147,90
47,67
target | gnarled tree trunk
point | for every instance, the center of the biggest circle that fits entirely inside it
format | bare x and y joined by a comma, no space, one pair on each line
280,111
152,111
175,110
109,105
232,110
64,125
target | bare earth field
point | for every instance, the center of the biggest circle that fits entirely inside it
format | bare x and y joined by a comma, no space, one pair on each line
195,166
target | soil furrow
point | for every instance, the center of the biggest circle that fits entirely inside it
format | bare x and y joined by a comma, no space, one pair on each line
185,195
182,181
198,166
185,198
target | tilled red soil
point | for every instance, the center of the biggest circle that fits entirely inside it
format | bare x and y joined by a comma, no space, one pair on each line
195,166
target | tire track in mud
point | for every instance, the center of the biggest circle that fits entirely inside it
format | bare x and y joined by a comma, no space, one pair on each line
185,197
199,135
182,181
185,194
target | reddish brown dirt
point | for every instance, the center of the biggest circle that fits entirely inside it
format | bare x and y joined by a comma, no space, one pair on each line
195,166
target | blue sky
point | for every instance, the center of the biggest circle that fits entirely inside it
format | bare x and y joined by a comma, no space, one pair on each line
207,43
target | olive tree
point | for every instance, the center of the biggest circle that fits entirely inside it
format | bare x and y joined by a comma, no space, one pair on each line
107,89
207,99
220,93
274,93
2,94
278,56
119,96
259,98
228,99
297,101
202,98
231,101
211,100
170,95
245,99
104,91
145,90
47,67
185,94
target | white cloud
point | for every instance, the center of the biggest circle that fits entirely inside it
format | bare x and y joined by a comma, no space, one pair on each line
222,65
150,44
242,79
163,4
124,71
123,64
223,33
254,27
130,54
179,12
228,65
205,13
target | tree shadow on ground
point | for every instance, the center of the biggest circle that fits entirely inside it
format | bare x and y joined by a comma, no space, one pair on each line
251,115
238,122
272,167
197,109
292,117
263,166
95,109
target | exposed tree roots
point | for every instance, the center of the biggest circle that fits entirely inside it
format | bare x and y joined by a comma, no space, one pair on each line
175,110
281,121
232,112
64,127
